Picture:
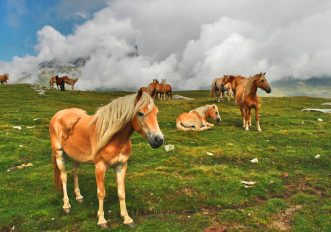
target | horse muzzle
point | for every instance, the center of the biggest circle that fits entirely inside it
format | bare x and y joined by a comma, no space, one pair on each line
268,90
155,141
218,120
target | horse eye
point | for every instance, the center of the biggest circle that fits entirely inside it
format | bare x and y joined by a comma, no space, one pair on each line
140,114
216,113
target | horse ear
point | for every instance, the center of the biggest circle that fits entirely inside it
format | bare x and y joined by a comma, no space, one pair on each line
264,73
139,94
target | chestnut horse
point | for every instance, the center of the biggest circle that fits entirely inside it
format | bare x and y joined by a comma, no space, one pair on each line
148,90
102,139
218,90
152,88
4,78
246,97
196,119
234,80
70,81
164,90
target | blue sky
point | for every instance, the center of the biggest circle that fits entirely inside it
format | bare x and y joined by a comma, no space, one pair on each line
21,19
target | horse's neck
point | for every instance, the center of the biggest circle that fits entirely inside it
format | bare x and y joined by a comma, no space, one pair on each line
253,89
201,111
122,137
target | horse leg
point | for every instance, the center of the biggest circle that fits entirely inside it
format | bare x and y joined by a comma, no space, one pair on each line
100,170
79,197
247,118
120,180
257,117
242,111
58,154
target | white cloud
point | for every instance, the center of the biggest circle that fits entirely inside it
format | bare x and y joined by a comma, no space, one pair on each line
191,42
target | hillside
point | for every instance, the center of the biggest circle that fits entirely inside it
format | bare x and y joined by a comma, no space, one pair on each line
313,87
182,190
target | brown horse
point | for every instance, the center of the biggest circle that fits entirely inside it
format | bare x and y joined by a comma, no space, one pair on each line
4,78
234,80
246,98
70,81
196,119
218,90
152,88
163,90
59,81
102,139
148,90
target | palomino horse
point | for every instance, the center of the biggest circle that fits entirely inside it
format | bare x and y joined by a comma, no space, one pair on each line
218,90
196,119
246,98
102,139
4,78
164,90
70,81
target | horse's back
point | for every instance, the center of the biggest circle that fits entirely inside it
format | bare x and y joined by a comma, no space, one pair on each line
70,130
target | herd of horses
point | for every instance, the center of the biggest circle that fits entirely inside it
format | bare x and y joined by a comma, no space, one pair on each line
61,81
104,138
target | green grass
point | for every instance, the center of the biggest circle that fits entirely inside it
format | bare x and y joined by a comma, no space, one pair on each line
181,190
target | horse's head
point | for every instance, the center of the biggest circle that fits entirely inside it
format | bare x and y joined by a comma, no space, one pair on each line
227,79
155,81
212,111
262,83
145,121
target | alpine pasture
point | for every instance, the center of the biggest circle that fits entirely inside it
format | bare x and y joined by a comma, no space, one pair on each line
195,187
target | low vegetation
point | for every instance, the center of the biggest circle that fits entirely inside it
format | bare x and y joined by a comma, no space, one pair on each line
195,187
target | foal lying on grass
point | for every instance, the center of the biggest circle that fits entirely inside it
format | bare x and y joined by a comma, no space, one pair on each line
196,119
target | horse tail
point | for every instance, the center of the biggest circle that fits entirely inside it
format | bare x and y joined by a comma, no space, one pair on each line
213,88
56,175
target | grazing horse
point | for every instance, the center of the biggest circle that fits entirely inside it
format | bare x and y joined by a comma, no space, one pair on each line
102,139
246,98
218,90
196,119
164,90
70,81
4,78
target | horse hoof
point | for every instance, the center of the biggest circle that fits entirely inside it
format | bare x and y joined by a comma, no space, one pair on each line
66,210
131,225
103,225
81,200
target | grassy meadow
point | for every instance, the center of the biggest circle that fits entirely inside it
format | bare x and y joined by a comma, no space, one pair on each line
182,190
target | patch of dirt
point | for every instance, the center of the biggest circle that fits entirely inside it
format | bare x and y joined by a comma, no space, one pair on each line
283,220
216,228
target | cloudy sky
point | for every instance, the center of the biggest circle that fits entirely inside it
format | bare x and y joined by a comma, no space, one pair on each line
188,42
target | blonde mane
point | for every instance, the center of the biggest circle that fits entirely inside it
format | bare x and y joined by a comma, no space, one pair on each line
248,84
202,110
112,117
